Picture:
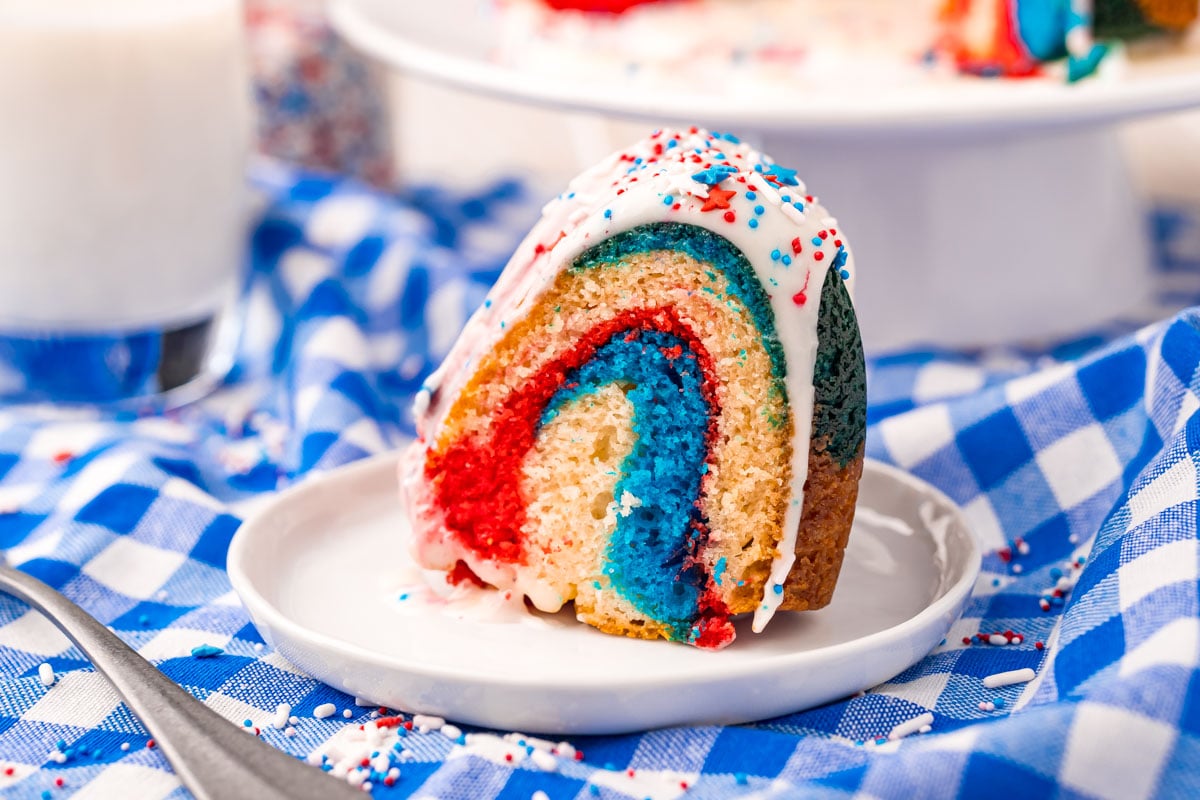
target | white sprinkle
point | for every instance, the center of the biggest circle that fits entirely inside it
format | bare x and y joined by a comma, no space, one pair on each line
347,714
925,729
374,714
280,720
1064,583
362,702
539,795
289,732
792,213
394,773
1009,678
60,758
366,786
997,638
565,749
452,731
258,647
1017,569
324,710
46,675
293,720
124,747
380,763
912,726
1073,538
1023,547
425,724
544,761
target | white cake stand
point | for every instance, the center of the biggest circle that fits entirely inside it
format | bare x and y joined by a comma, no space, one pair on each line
980,212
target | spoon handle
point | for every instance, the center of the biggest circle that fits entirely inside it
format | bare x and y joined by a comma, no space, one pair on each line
213,758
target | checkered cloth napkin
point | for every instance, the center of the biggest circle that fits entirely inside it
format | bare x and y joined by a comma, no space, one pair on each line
1079,474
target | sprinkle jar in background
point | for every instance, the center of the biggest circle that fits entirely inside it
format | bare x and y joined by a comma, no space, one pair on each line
320,104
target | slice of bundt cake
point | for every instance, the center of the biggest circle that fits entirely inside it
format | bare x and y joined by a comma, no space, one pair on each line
659,412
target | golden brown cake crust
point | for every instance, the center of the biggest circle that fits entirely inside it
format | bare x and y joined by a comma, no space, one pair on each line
830,494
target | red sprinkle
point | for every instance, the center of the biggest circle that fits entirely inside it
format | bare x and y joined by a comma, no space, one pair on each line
58,781
508,757
818,255
730,216
1005,554
796,248
62,457
966,640
366,762
1039,646
389,781
579,755
799,298
150,743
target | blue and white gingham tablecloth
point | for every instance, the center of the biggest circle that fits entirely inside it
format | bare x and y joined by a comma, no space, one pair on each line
1090,461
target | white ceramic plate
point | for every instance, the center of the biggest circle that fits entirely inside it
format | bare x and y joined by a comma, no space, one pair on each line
321,569
453,41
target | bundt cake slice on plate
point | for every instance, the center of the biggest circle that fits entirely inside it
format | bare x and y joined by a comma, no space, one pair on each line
659,412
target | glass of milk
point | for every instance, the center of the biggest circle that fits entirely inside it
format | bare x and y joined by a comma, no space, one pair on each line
123,134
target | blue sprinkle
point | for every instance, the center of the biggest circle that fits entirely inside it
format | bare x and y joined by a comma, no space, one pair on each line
487,303
816,240
143,620
729,137
778,588
759,209
668,200
845,274
751,196
97,753
740,778
608,213
753,223
787,198
776,255
594,789
1055,573
714,174
61,745
998,702
719,570
206,651
1082,559
995,581
758,168
798,205
404,596
248,723
783,175
671,144
719,157
45,794
638,160
787,261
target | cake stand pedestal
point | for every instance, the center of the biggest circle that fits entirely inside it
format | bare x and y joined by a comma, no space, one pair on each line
983,239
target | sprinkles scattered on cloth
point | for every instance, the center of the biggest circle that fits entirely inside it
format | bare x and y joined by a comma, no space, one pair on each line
1078,464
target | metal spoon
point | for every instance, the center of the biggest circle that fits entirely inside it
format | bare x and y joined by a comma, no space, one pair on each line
213,758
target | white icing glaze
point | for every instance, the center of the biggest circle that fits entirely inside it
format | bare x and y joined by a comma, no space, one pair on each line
634,186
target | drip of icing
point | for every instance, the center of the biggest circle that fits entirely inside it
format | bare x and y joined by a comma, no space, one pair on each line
763,210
